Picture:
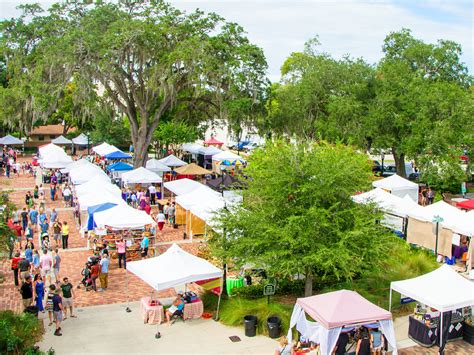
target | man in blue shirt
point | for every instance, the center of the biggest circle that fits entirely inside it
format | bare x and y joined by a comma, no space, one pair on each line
144,246
34,216
104,271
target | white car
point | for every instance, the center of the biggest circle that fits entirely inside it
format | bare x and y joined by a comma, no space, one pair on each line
251,146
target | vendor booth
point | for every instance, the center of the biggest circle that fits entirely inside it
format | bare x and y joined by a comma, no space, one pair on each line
117,169
202,195
10,140
84,173
61,140
117,155
157,167
104,149
466,205
398,186
213,141
444,309
81,140
191,150
141,175
98,184
228,159
395,209
174,268
181,186
75,164
53,157
336,312
433,226
172,162
206,154
191,170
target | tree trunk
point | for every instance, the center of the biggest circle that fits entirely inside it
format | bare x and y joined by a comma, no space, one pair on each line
141,151
399,163
308,286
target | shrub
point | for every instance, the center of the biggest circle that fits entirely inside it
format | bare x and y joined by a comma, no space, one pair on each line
249,292
18,332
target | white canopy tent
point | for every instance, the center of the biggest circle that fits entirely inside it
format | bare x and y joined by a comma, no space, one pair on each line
10,140
211,150
49,149
192,148
61,140
98,184
75,164
141,175
156,166
93,199
53,157
173,268
443,289
81,140
226,155
398,186
104,149
123,216
182,186
172,161
84,173
200,195
396,209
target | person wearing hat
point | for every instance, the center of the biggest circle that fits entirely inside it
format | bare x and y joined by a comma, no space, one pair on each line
177,307
57,311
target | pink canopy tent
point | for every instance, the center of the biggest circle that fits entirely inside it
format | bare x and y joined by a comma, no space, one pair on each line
342,308
334,310
213,141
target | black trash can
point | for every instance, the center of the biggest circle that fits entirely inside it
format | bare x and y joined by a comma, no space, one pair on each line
274,327
32,310
250,324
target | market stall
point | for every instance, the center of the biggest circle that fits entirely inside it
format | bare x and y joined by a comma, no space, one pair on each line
117,155
97,184
444,308
205,155
157,167
172,161
213,141
192,150
53,157
174,268
398,186
119,168
10,140
203,195
61,140
104,149
228,160
84,173
191,170
334,312
141,175
181,186
466,205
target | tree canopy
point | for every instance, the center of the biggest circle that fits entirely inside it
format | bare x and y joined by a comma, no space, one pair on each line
297,215
148,59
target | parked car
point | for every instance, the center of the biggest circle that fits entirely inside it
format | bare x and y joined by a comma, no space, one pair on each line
389,170
251,146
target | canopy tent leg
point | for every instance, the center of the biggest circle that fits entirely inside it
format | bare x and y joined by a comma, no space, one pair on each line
390,301
216,318
128,310
441,347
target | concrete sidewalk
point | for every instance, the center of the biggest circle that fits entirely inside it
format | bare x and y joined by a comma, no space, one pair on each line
109,329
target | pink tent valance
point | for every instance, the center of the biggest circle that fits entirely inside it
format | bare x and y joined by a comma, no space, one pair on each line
342,308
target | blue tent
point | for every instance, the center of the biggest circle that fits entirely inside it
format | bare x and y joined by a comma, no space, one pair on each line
118,155
97,208
120,166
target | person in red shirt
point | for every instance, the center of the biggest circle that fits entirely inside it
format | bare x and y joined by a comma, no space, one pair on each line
15,260
147,208
94,275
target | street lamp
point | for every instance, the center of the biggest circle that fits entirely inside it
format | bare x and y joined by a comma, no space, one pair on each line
222,176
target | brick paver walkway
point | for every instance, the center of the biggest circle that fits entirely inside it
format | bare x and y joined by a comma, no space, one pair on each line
457,347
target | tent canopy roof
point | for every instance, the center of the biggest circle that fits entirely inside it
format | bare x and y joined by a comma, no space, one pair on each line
61,140
172,161
173,268
104,149
81,140
226,155
75,164
201,195
193,148
10,140
140,175
443,289
120,166
342,308
98,184
118,154
156,166
387,202
468,204
226,181
93,198
214,141
394,183
209,150
192,169
84,173
122,216
182,186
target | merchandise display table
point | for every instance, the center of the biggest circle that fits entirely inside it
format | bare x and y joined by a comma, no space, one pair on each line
233,283
193,310
428,336
151,314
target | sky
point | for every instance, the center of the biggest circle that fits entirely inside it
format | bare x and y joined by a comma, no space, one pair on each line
352,27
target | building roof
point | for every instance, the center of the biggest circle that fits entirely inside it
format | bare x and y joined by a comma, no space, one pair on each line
54,129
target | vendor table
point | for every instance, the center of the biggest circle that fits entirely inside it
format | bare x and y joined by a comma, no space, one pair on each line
151,314
428,336
193,310
233,283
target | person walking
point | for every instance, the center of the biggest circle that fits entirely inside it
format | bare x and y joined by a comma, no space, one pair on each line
52,190
68,294
152,190
95,270
24,267
171,212
67,195
46,263
65,234
56,265
104,272
144,246
36,262
53,216
33,216
430,195
57,311
15,260
26,291
57,229
24,220
38,286
161,219
122,253
49,303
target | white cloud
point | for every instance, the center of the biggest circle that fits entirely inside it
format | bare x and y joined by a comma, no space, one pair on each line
344,27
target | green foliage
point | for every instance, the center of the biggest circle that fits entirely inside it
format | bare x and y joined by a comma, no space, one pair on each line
175,133
252,291
297,215
443,173
111,129
18,332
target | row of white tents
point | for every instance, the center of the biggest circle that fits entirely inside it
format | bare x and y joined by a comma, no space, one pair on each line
403,214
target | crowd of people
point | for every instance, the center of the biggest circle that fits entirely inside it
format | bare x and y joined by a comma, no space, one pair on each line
12,167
